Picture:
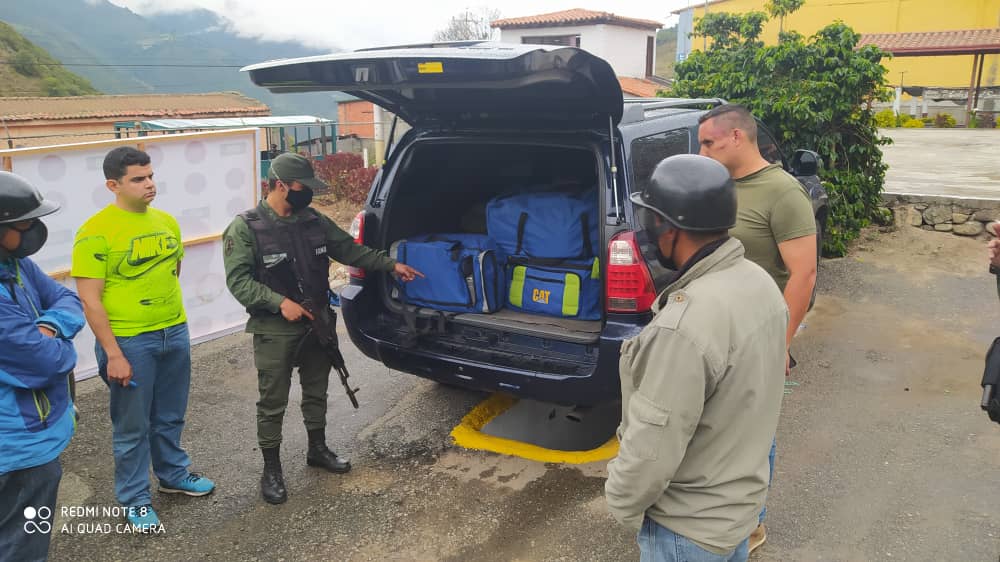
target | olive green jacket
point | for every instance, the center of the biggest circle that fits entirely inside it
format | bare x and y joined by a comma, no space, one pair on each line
701,390
239,256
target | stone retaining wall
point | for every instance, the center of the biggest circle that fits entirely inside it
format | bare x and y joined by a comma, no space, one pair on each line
961,216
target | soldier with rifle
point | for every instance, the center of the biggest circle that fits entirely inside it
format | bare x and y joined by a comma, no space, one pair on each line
277,259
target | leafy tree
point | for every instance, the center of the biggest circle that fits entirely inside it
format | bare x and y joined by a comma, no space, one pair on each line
814,93
52,87
781,8
25,64
469,25
35,72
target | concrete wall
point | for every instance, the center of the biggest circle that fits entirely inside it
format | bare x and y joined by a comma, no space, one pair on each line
623,47
964,217
881,16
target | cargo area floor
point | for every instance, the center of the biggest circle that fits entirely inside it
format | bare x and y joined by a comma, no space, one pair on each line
563,329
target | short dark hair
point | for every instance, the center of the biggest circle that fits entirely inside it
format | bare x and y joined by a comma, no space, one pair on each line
736,116
117,161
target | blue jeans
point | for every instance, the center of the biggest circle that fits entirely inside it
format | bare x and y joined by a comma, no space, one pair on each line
770,476
659,544
22,538
147,419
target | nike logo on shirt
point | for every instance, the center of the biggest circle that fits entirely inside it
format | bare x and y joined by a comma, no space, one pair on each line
146,252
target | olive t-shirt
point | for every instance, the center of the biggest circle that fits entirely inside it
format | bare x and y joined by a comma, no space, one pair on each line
137,255
772,207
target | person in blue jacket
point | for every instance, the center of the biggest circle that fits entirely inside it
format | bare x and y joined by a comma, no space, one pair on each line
38,319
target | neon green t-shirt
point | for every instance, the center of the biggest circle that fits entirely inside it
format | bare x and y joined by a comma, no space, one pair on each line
137,255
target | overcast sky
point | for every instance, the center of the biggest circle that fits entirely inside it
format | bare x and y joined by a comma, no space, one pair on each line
349,25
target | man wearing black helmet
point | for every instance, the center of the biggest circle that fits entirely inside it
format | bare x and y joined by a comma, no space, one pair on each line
702,383
39,318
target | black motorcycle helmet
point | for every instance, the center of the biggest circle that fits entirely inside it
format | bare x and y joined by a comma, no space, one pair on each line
21,201
688,192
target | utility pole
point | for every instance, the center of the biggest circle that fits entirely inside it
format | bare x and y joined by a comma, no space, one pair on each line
704,39
10,141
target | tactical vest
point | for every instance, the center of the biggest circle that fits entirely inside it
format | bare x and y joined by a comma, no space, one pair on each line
291,257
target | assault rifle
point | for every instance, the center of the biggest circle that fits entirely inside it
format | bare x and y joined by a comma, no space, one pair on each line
324,327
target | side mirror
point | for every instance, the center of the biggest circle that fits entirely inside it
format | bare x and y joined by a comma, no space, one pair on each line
805,163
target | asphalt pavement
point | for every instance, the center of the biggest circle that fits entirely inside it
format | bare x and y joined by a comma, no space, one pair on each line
948,162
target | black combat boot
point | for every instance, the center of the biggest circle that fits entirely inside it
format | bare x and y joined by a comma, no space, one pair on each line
322,457
272,483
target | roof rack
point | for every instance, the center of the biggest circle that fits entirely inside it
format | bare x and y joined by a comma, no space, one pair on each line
432,45
635,108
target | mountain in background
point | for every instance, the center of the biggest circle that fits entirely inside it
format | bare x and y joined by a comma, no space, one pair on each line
121,52
666,52
27,70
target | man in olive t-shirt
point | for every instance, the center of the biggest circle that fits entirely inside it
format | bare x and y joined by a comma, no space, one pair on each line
773,209
127,262
774,220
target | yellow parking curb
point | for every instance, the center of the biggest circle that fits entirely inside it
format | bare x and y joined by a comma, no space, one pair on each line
468,434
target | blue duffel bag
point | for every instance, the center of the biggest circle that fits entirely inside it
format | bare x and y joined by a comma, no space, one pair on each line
563,288
464,272
545,225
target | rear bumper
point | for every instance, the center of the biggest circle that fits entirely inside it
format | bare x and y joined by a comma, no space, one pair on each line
601,386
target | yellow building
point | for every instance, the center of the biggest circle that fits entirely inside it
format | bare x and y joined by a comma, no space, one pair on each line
875,16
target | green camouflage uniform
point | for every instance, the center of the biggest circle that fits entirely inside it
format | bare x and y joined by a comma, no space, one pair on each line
275,340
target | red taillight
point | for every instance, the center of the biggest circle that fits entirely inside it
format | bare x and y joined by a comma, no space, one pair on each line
357,231
629,284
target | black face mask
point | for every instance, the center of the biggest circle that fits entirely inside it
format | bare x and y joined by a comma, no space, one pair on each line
32,240
648,238
299,199
664,260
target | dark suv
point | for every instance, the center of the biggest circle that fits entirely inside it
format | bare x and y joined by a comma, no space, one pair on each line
486,118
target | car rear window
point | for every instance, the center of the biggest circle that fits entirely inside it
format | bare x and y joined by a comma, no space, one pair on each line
647,152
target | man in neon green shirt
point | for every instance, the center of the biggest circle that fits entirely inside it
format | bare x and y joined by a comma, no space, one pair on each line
127,263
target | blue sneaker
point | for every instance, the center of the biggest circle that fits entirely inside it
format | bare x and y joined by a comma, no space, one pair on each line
142,517
193,484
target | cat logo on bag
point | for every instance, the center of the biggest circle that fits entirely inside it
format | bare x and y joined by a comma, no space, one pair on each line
541,296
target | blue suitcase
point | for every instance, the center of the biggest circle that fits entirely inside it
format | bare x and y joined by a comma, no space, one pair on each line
464,272
545,225
562,288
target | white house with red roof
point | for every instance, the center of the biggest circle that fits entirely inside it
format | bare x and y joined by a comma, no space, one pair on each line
628,44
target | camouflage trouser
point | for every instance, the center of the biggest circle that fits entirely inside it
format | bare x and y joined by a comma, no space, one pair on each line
274,356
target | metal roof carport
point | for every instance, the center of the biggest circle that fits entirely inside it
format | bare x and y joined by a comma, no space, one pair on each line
279,122
975,42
